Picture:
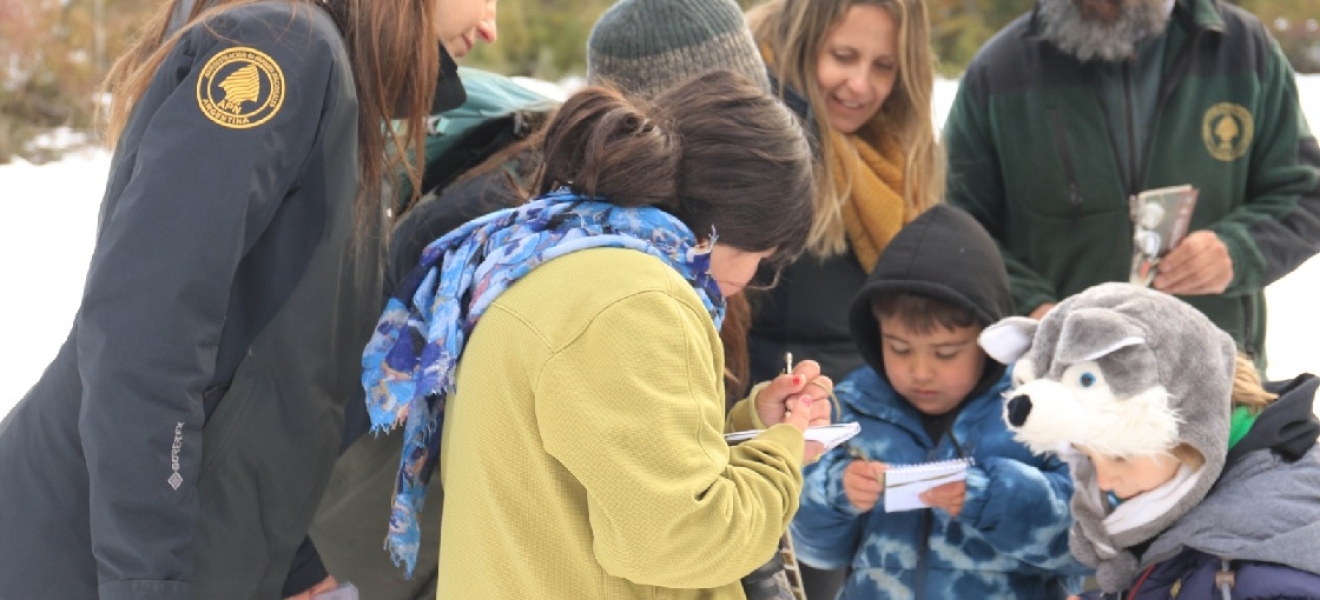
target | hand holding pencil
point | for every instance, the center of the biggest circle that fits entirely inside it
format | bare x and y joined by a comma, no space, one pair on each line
800,388
863,480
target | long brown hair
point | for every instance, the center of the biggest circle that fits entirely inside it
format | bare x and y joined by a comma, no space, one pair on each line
717,152
394,54
793,33
737,359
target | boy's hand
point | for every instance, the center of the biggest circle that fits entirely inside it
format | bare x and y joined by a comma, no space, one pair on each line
787,391
948,497
863,482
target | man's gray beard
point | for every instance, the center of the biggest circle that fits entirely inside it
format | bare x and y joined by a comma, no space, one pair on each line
1069,31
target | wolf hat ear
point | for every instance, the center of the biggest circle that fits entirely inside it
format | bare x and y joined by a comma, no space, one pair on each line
1009,339
1090,333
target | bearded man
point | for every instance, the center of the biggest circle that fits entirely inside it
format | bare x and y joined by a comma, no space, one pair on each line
1080,104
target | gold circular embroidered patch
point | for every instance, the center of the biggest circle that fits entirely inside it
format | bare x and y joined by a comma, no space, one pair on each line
1227,130
240,88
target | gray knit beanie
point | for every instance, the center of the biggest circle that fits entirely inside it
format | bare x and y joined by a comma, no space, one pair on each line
644,47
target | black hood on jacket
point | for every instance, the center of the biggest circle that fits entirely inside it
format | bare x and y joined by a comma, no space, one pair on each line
1288,426
449,92
943,254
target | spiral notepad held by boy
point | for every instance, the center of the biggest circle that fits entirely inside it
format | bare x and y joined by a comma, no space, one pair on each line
904,484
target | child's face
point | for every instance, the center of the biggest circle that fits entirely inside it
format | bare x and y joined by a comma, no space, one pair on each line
933,371
1129,476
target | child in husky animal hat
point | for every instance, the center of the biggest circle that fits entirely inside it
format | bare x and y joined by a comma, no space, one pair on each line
1192,479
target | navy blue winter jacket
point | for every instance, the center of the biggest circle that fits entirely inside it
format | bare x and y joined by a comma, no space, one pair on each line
1260,524
177,446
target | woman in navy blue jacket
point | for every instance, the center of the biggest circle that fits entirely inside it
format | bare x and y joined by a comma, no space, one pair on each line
179,443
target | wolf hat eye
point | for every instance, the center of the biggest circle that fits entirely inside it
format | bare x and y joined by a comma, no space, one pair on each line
1085,377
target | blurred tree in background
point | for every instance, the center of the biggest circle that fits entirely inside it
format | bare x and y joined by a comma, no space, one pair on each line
1296,24
545,39
960,27
54,52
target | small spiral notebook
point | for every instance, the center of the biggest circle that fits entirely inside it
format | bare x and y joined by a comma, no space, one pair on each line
828,435
905,483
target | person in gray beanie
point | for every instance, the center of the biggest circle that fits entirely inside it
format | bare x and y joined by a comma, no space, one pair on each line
643,47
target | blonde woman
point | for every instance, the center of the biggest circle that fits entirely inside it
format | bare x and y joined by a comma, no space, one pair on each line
860,72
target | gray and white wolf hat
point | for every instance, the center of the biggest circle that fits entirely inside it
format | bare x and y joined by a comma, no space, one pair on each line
1125,371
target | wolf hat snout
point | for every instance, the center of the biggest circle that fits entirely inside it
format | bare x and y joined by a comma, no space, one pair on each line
1120,369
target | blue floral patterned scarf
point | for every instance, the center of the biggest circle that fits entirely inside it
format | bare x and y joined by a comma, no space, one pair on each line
408,367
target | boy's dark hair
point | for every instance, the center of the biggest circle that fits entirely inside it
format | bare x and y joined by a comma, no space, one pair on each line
922,314
715,152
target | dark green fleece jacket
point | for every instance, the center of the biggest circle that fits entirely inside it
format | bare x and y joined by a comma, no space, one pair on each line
1039,155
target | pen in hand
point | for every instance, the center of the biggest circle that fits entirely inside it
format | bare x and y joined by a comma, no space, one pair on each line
788,370
863,480
857,453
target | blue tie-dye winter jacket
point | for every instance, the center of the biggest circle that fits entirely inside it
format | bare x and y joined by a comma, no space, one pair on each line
1009,542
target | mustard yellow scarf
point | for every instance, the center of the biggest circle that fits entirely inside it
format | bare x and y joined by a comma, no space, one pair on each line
875,209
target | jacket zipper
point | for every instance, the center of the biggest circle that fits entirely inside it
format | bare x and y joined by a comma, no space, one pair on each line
919,581
1248,327
923,547
1134,182
1168,82
1061,140
928,514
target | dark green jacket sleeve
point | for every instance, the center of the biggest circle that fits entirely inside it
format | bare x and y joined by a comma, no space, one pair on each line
215,144
1278,226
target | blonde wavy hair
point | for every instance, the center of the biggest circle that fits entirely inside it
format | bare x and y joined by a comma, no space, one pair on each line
793,33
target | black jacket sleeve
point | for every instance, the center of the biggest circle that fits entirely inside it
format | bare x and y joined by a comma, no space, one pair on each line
215,143
306,570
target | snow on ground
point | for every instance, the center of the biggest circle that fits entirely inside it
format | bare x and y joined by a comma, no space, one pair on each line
48,220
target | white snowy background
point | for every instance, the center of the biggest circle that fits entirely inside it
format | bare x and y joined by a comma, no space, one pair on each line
48,220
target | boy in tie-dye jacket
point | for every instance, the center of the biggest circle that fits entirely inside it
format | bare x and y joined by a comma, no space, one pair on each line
929,393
